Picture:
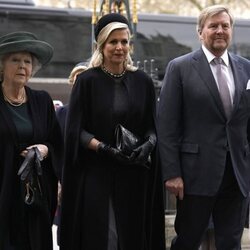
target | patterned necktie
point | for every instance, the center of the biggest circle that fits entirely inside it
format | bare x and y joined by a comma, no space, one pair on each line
223,87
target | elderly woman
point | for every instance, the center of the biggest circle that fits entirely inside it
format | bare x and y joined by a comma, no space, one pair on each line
28,124
114,198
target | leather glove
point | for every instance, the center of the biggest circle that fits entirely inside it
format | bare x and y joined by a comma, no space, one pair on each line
29,173
27,166
38,159
33,159
113,153
141,155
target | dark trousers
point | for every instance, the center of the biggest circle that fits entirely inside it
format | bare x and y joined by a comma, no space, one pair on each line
9,246
228,210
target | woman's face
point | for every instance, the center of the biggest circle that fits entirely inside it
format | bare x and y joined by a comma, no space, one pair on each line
116,48
17,68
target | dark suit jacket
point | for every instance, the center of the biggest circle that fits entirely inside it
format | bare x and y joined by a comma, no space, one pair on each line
61,114
193,133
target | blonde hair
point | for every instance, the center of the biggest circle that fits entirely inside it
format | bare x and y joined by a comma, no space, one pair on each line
212,11
97,57
75,71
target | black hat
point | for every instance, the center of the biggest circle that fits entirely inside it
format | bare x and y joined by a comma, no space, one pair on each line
109,18
25,41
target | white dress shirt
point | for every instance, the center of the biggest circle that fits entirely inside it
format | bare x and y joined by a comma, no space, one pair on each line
225,67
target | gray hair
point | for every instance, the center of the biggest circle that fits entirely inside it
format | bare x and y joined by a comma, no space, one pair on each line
97,57
212,11
36,65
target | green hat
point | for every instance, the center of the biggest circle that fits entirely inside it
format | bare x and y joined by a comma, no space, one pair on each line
25,41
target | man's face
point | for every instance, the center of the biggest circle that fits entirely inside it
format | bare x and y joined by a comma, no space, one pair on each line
216,34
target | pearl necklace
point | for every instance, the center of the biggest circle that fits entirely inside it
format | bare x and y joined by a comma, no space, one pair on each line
112,74
11,102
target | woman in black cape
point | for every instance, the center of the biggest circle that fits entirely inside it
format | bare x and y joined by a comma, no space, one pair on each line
31,138
111,200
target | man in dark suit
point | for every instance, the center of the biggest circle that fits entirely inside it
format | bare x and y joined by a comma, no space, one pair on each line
203,136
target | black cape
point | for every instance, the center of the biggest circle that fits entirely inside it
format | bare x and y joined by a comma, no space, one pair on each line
90,181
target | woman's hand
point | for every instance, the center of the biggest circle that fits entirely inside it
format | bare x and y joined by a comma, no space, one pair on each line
113,153
141,154
43,149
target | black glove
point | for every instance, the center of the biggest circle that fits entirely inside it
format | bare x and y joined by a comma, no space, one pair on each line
27,166
29,173
141,155
113,153
32,159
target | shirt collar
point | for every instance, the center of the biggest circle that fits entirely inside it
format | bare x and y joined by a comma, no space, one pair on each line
210,57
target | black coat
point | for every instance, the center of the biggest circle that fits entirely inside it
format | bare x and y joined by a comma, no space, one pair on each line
46,131
90,181
61,114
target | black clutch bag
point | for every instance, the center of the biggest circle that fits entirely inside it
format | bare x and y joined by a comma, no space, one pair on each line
125,140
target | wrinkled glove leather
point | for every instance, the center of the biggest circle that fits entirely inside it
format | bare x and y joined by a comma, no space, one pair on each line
29,173
32,159
27,165
112,153
141,155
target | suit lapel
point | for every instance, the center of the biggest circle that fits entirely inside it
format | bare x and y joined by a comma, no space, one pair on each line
237,72
202,67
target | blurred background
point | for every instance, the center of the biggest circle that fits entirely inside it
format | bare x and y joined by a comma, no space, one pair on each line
241,8
162,30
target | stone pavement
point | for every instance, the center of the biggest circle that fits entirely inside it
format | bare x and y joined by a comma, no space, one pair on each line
170,233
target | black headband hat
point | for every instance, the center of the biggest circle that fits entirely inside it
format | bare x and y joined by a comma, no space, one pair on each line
109,18
25,41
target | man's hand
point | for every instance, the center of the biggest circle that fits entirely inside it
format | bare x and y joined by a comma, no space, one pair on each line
176,187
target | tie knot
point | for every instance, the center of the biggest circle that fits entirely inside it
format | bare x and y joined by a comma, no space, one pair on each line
218,60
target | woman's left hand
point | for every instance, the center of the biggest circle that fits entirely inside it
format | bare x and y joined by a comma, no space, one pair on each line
43,149
141,154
